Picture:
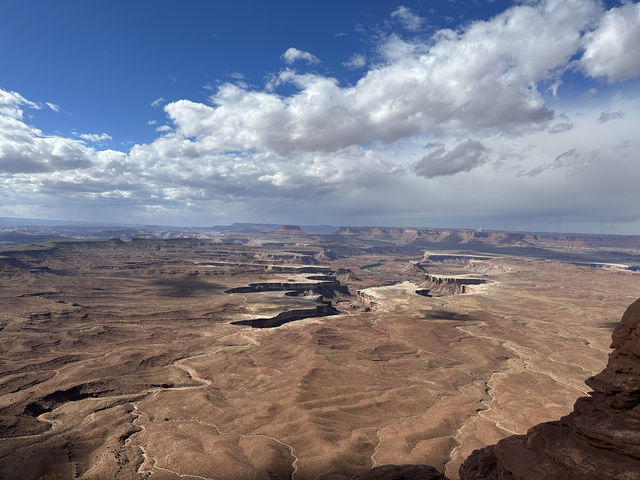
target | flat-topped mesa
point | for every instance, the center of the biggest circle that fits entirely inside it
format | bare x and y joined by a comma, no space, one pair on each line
438,286
323,310
450,258
583,242
295,258
326,286
599,440
288,230
431,235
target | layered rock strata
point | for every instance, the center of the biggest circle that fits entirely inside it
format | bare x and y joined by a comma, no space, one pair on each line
438,286
323,310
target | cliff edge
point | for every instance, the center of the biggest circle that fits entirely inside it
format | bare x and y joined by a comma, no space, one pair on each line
600,439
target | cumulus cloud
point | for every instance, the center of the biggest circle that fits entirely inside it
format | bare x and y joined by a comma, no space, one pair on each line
292,55
24,149
350,149
356,61
606,116
481,78
462,158
408,18
611,50
11,104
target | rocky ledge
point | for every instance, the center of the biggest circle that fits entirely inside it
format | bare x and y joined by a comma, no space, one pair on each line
323,310
599,440
402,472
439,286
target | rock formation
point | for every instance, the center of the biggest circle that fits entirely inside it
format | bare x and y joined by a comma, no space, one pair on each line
402,472
600,439
323,310
289,229
584,243
438,286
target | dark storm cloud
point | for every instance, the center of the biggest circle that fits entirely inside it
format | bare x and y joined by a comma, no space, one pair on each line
462,158
607,116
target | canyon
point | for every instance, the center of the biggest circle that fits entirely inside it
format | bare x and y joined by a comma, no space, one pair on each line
277,353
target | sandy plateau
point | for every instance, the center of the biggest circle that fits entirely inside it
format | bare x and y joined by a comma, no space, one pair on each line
122,359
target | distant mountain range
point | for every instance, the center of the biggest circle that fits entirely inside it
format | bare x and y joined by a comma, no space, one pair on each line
237,227
32,230
270,227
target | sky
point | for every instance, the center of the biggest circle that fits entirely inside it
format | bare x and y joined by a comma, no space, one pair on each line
504,115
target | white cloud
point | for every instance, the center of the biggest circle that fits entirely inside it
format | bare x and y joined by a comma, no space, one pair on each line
292,55
612,49
95,137
151,122
523,177
356,61
11,104
157,102
346,152
53,106
408,18
25,150
482,78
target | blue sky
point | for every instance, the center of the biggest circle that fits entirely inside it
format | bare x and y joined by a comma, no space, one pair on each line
493,114
105,62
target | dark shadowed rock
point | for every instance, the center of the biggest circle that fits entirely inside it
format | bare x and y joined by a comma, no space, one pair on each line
402,472
599,440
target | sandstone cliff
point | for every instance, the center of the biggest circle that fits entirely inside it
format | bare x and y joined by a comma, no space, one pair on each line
438,286
289,230
569,242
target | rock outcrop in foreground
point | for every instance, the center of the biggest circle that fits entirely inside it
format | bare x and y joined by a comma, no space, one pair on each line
599,440
402,472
